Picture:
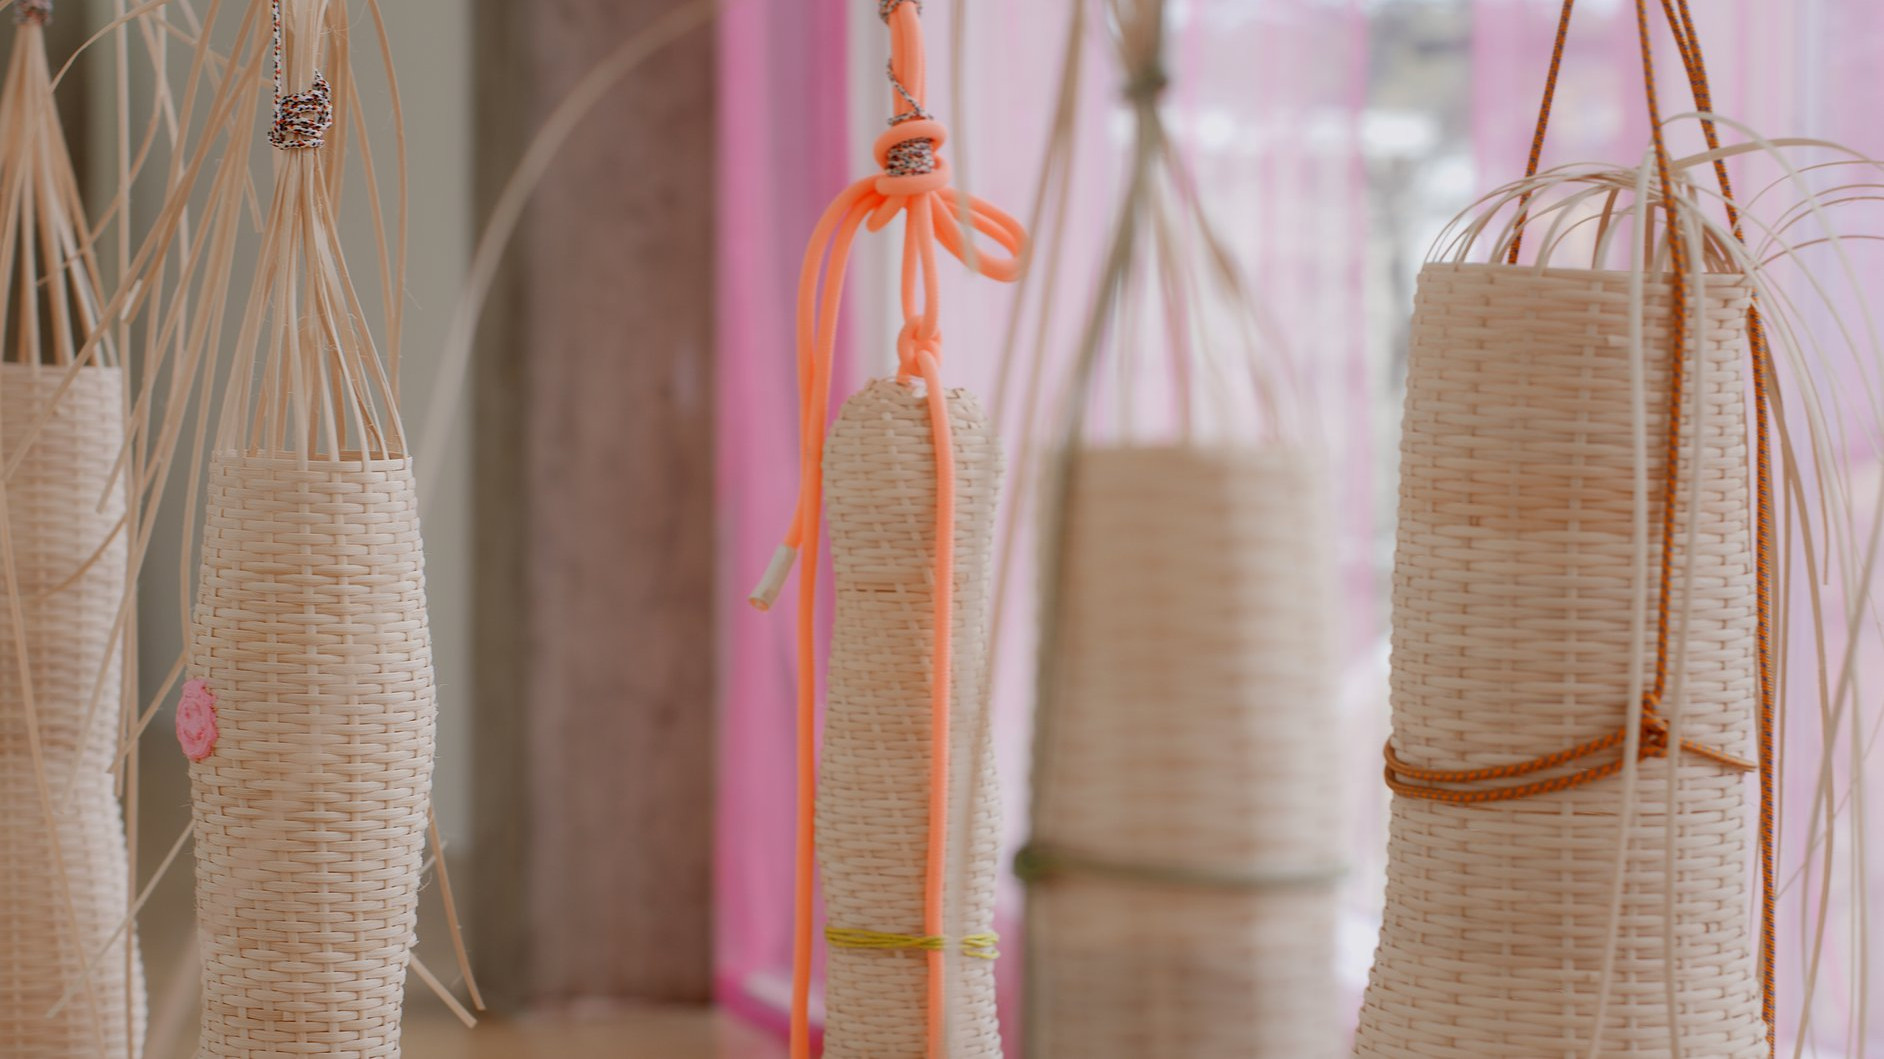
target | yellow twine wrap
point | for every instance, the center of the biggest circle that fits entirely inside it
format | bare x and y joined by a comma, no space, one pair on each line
978,946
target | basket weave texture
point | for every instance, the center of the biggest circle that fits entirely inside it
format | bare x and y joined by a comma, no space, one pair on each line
1514,594
1192,684
873,779
71,562
310,814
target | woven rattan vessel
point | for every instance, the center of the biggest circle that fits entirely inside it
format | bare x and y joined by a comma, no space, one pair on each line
63,508
1516,619
310,813
873,787
1184,901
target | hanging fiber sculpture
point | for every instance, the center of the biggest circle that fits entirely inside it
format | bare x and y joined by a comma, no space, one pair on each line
309,719
910,476
1185,840
65,876
1582,642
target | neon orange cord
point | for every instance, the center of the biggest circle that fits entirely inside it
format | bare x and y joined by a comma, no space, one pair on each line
915,183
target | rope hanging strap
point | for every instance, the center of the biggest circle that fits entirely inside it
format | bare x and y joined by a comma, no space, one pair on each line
914,183
1416,782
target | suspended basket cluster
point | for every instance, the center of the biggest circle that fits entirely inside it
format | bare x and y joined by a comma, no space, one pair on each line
1185,833
65,588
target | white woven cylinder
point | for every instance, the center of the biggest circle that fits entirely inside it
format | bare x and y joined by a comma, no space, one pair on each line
1514,596
1186,810
873,778
70,558
310,814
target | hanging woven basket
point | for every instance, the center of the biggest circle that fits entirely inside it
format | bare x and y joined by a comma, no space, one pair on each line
1519,588
1182,897
64,890
310,809
873,780
309,719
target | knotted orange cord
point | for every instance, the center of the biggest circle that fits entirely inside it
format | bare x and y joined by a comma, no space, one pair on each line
1681,25
915,182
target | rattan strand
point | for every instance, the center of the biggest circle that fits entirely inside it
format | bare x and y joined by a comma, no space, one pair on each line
1193,688
873,779
58,525
1513,602
310,814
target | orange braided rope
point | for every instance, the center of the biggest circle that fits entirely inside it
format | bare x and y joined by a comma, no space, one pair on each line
1654,741
915,183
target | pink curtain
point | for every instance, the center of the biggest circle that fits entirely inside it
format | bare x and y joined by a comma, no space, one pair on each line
784,151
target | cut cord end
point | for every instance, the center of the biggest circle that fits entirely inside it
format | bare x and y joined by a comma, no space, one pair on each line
773,582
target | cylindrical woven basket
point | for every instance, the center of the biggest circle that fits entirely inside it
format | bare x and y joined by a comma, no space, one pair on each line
70,558
873,778
1186,820
1514,596
310,812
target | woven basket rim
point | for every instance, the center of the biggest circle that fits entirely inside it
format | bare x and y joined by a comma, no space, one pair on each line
351,459
1714,279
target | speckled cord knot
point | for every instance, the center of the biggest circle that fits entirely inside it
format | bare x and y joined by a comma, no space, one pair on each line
914,156
37,12
886,8
302,119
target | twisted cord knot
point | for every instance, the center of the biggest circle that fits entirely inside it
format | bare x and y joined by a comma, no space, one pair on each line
34,12
1145,86
303,118
886,8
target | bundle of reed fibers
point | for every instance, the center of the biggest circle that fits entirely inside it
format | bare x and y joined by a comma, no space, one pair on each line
911,473
1568,862
1185,847
311,791
65,876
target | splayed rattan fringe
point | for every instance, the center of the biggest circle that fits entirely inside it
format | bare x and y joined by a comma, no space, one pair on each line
873,781
1515,590
1185,771
59,525
310,813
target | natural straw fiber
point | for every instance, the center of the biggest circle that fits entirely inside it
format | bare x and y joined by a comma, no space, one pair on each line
873,781
310,814
70,558
1515,595
1187,819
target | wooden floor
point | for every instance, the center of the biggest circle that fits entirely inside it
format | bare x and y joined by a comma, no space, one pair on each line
658,1033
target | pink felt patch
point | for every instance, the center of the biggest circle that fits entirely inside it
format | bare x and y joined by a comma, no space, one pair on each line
196,720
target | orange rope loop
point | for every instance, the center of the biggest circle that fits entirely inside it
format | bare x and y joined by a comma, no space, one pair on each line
915,185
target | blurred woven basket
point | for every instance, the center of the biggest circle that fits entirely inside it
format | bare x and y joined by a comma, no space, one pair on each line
65,872
873,780
1517,592
1183,899
64,891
